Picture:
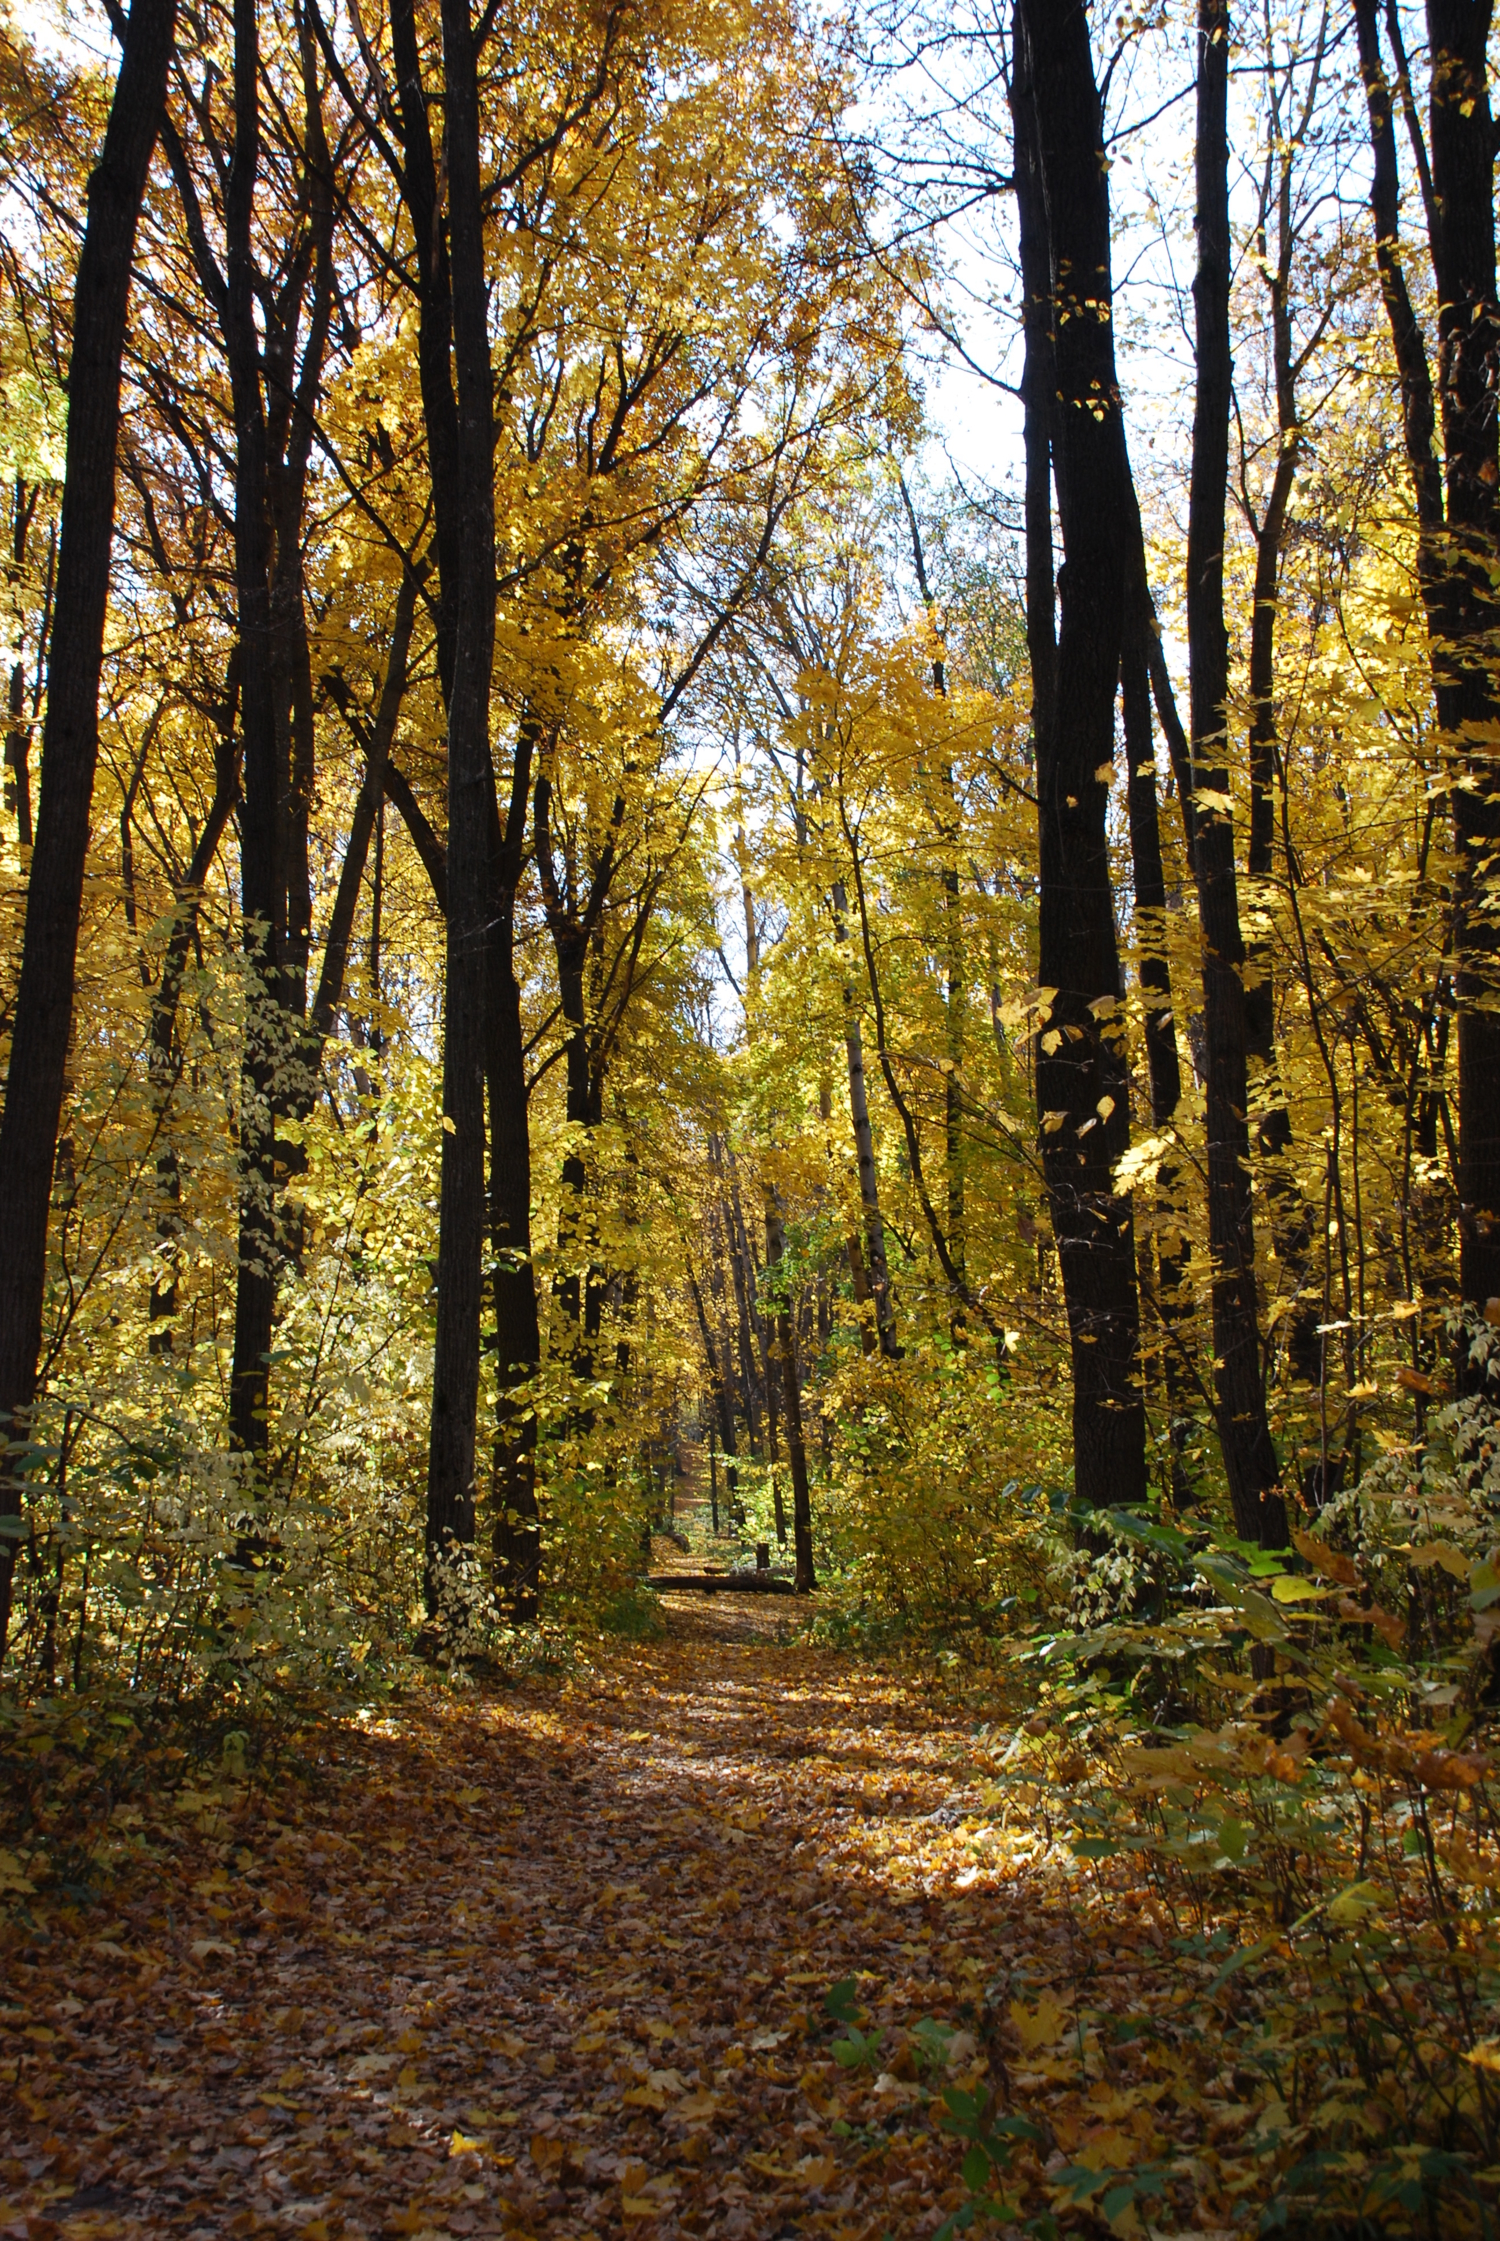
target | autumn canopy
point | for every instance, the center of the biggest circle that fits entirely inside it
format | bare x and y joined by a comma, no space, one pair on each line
751,849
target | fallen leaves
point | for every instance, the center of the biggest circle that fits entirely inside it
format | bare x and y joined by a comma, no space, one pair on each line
803,1954
390,2001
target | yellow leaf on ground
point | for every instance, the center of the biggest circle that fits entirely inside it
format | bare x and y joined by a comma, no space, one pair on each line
816,2170
1040,2026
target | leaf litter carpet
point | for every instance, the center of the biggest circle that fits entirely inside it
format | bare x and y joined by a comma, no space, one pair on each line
548,1961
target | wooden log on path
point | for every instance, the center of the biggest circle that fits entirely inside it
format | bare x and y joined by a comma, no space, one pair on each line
712,1583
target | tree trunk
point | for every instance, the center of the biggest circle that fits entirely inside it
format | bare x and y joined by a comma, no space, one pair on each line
1244,1433
262,887
741,1279
340,934
791,1394
517,1537
161,1061
1162,1065
1419,422
1463,258
1082,1081
466,509
70,738
878,1272
722,1401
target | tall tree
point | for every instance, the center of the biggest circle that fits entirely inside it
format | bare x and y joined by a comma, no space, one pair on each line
468,563
1250,1462
1081,1073
275,379
1456,503
783,1354
70,733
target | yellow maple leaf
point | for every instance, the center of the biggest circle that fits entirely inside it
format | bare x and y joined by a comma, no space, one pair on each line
1040,2026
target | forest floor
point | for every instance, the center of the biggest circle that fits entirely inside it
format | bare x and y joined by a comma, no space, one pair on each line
552,1960
549,1961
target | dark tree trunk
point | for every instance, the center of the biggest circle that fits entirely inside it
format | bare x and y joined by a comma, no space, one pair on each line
1419,424
25,496
338,940
1038,388
791,1395
573,921
879,1276
262,890
1162,1065
162,1059
1244,1433
1462,132
272,451
473,877
465,508
1082,1080
1418,411
722,1401
70,737
742,1283
517,1538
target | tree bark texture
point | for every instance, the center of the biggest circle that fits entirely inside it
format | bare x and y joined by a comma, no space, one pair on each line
1082,1086
1462,134
465,509
1240,1403
791,1394
517,1539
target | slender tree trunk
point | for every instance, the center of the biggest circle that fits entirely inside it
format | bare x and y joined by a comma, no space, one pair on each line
1162,1065
950,824
517,1535
791,1394
70,738
1244,1433
18,737
262,892
162,1062
879,1278
742,1281
1082,1082
869,1191
340,934
722,1400
469,614
1419,424
1456,512
1463,256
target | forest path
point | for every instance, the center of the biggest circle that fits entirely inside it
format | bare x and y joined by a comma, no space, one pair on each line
541,1961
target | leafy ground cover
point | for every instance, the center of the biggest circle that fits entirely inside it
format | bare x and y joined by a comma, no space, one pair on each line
717,1933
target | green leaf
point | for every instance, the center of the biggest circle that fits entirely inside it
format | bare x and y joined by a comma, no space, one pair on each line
1233,1837
1259,1616
976,2169
1012,2128
841,2001
1484,1586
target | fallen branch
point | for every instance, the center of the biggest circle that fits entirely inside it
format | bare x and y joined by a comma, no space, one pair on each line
710,1583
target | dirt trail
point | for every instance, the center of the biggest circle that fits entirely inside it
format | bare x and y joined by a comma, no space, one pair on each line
545,1961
